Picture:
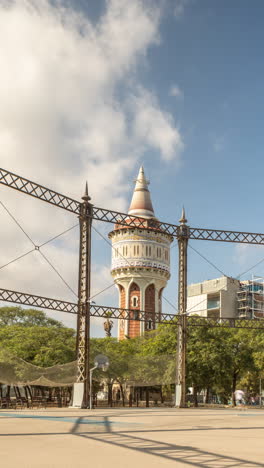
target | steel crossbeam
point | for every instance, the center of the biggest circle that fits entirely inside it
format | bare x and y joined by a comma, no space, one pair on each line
226,236
122,219
7,295
16,297
101,214
252,324
38,191
127,314
171,319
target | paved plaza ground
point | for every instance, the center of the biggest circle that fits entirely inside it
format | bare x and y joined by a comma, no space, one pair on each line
132,437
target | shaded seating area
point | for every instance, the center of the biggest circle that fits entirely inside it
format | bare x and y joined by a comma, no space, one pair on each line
23,397
24,385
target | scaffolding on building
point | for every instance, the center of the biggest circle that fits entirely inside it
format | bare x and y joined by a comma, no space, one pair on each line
250,297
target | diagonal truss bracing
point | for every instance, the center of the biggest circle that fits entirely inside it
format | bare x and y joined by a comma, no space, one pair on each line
226,236
38,191
48,303
7,295
101,214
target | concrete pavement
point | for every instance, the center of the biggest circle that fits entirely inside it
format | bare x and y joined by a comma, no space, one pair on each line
132,437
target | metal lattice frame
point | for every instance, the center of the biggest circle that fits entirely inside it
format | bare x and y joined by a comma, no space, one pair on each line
226,236
15,297
182,326
38,191
83,322
101,214
182,233
249,324
7,295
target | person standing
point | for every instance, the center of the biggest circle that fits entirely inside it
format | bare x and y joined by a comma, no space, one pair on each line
239,397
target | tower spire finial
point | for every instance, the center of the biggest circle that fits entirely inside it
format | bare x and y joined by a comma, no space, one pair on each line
86,197
183,219
141,202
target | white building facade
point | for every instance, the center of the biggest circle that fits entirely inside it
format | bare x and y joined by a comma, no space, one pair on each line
214,298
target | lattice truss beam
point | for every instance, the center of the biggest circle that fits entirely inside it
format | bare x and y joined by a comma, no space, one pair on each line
100,214
38,191
15,297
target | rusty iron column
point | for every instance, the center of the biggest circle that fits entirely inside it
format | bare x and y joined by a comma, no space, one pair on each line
83,321
180,388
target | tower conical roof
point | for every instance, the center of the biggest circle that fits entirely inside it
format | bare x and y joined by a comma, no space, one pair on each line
141,202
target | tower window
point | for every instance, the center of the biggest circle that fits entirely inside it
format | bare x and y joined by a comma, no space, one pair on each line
137,250
149,324
134,300
134,250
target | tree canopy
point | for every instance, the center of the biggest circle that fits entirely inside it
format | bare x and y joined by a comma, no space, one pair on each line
26,318
219,359
31,335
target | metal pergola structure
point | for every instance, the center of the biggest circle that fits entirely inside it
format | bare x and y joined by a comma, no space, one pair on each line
100,311
84,309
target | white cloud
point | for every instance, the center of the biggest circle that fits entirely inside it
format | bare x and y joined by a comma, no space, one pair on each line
63,118
180,7
61,112
152,127
176,91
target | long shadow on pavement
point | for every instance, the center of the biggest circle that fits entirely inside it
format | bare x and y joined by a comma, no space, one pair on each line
185,454
178,453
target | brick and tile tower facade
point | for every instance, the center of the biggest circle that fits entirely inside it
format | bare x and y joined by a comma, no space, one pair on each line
140,263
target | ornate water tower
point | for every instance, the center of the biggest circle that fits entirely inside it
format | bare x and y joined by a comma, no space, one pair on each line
140,263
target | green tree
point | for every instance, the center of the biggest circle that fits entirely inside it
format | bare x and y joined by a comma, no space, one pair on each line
258,352
155,359
26,318
239,348
119,353
34,337
41,346
218,358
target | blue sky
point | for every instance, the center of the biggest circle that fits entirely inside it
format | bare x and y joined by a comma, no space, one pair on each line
175,85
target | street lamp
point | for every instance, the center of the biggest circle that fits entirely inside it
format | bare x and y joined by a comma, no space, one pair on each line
100,362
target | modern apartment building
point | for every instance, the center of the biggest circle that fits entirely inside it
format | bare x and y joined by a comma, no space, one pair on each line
227,297
251,298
